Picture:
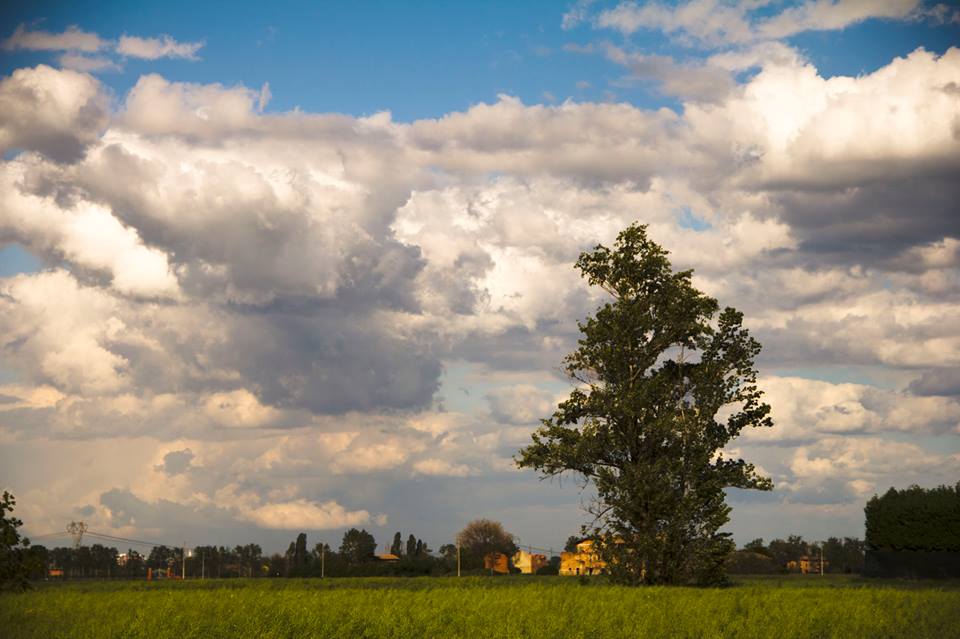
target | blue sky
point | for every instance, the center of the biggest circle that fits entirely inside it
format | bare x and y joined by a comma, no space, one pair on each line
343,320
419,59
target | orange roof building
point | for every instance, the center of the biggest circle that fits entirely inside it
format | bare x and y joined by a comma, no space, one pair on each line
386,557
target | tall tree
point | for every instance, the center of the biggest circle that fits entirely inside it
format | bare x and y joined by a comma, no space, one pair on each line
36,560
291,566
396,548
249,557
411,546
481,537
358,546
13,565
654,367
449,554
160,557
300,554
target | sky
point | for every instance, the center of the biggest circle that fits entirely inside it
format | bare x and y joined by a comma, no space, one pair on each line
283,267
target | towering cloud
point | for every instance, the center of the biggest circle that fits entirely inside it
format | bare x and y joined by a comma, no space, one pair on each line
262,307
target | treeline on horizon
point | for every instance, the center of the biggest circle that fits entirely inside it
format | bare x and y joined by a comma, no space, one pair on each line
840,555
911,532
356,558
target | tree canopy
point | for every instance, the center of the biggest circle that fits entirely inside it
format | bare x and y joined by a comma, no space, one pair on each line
13,548
914,518
357,546
481,537
653,369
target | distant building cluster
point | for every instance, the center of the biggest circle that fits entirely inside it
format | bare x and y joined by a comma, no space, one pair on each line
807,564
525,562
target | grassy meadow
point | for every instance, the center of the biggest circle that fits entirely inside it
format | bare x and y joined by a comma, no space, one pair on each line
478,607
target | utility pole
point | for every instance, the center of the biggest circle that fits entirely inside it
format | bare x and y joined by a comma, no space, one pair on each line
183,562
458,557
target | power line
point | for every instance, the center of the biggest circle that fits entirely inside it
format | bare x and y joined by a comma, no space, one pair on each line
101,536
125,539
46,535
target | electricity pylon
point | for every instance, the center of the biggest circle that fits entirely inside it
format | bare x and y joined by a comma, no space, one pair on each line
76,530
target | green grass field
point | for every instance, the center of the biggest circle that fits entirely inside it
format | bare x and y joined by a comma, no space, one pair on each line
478,607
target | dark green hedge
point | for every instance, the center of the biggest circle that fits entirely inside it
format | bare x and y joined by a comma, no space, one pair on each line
912,564
915,519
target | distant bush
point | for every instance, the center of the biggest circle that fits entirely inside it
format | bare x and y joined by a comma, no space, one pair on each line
746,562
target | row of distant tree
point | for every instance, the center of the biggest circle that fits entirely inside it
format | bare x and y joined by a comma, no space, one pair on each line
840,555
356,556
905,528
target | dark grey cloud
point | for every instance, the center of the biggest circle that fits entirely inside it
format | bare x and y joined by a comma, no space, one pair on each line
200,524
176,462
870,223
331,361
944,381
518,348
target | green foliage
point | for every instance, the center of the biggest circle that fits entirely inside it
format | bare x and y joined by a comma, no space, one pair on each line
552,568
14,568
160,557
915,519
300,557
397,547
358,546
757,546
748,562
844,555
506,607
481,537
654,367
790,549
